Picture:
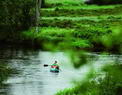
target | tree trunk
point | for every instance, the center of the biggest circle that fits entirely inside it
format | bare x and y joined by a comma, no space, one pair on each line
38,6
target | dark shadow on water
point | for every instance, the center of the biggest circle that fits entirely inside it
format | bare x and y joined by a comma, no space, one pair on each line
4,89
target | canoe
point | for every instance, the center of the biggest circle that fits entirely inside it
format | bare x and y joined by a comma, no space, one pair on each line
54,70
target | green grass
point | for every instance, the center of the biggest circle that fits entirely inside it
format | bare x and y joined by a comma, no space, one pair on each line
63,2
86,7
92,7
76,38
74,20
78,22
59,36
115,10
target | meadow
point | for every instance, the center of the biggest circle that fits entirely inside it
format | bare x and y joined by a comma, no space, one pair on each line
78,22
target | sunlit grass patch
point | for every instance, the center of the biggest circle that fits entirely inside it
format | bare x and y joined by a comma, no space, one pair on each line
51,31
80,42
70,12
58,36
64,1
49,34
83,32
78,22
94,18
76,7
56,31
81,36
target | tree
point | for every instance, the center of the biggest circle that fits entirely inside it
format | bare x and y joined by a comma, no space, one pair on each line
15,15
38,6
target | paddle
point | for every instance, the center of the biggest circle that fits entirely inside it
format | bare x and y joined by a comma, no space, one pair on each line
46,65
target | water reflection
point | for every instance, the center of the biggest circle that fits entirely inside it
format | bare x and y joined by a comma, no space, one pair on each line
3,89
35,79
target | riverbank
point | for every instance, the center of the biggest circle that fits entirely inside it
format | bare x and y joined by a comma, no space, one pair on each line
69,25
76,26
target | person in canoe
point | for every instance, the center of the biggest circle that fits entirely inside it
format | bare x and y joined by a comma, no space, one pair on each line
55,65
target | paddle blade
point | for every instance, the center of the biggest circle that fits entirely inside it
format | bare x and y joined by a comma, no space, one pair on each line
45,65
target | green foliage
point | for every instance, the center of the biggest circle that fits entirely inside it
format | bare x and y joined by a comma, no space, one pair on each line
110,83
111,42
96,21
58,36
52,3
15,15
78,58
81,11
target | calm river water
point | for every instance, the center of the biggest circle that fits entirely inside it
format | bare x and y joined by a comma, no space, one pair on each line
35,79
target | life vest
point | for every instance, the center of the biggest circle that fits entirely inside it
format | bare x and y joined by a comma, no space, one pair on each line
55,66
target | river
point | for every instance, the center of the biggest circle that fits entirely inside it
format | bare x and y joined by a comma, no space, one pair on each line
35,79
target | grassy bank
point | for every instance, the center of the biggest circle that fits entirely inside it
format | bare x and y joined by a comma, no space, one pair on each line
75,34
69,24
74,38
79,23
